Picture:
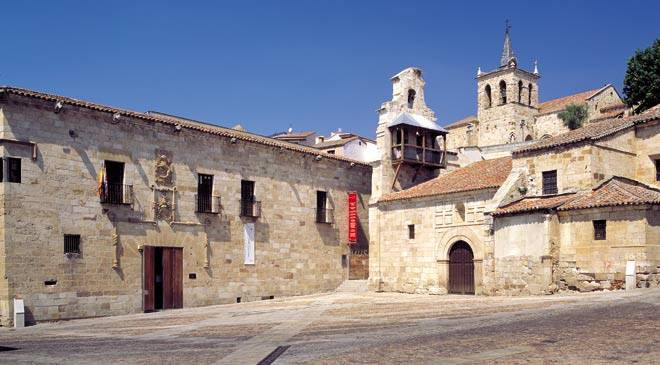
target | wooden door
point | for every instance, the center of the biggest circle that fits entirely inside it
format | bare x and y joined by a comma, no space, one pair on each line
461,269
167,278
172,277
177,278
149,289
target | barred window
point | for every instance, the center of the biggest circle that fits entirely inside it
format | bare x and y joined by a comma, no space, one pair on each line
72,243
600,228
550,182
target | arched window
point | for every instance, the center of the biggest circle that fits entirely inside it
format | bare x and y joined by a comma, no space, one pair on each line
528,138
411,98
489,100
502,92
529,96
520,87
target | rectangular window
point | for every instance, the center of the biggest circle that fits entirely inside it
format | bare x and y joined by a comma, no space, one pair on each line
321,203
600,229
549,182
204,191
114,187
72,244
332,152
13,170
657,170
247,199
2,170
411,231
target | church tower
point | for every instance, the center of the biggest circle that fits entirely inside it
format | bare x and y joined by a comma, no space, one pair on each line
507,100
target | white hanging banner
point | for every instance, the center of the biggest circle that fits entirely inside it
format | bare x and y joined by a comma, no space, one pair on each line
248,230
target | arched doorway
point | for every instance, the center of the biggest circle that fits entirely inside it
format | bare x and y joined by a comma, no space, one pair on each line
461,269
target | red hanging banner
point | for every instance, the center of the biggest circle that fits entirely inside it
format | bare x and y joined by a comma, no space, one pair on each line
352,217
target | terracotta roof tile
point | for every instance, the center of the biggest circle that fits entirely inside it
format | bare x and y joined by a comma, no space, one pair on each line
293,135
591,131
476,176
183,122
558,104
614,192
536,203
335,143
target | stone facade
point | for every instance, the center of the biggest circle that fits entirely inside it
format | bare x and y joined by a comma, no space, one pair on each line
163,158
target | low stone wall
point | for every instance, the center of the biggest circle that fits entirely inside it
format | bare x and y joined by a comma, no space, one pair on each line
523,275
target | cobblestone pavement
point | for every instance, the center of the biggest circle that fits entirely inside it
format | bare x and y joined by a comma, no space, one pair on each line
367,328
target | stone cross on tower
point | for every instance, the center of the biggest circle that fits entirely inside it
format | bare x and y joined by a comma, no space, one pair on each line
508,57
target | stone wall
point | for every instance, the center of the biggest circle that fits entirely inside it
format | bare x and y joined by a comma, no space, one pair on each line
294,254
525,248
573,165
647,146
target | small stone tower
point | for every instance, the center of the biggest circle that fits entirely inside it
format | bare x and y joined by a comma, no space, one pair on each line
410,144
507,100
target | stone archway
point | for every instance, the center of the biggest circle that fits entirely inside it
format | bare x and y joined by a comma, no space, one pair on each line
470,238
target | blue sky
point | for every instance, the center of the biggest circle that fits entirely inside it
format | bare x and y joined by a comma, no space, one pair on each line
312,65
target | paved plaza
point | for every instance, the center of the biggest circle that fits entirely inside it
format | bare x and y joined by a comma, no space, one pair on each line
365,328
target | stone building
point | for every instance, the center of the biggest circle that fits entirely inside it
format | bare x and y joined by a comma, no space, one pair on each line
108,211
564,212
509,112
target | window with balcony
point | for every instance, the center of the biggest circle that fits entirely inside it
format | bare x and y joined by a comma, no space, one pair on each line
424,149
250,207
113,190
14,170
550,182
205,199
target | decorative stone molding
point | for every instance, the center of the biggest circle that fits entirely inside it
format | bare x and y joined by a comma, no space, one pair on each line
163,168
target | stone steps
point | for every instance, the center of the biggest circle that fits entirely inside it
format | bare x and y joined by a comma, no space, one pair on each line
353,286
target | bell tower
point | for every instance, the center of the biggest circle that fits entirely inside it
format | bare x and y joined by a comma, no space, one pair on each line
412,147
507,100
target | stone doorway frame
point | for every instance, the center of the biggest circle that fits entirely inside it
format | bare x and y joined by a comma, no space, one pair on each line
447,240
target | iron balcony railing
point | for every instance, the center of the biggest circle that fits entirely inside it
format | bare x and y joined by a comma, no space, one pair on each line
116,194
207,204
324,215
250,208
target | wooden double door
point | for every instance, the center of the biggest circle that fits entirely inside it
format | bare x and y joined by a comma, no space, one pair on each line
163,278
461,269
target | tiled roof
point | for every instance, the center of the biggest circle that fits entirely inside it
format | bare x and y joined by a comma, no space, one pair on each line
462,122
293,135
614,192
174,121
476,176
591,131
335,143
536,203
559,104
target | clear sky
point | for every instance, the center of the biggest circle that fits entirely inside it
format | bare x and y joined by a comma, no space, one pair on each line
312,65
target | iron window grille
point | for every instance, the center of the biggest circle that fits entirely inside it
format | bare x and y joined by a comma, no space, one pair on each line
72,244
600,229
550,182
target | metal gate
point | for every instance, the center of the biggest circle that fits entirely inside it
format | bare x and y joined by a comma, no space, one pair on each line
461,269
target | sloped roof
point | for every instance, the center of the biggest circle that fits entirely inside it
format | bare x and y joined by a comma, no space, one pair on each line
614,192
174,121
335,143
531,204
417,121
476,176
461,122
559,104
591,131
293,135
